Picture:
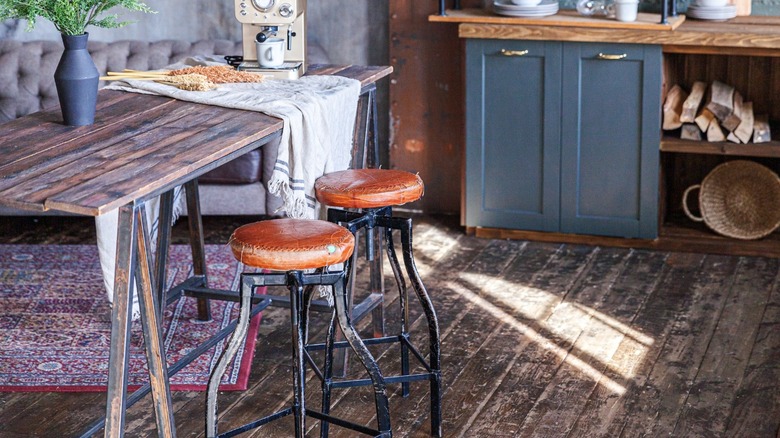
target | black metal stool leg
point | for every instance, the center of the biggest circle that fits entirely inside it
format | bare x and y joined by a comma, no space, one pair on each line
327,373
227,355
352,337
403,295
433,325
376,278
295,284
356,222
383,218
340,356
308,297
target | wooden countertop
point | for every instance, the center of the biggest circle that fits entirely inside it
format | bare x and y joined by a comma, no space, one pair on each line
749,35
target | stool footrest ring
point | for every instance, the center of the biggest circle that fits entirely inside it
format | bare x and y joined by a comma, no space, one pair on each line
344,423
309,413
388,379
257,423
344,383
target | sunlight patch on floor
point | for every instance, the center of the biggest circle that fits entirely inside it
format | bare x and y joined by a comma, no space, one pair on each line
436,245
618,326
564,320
599,334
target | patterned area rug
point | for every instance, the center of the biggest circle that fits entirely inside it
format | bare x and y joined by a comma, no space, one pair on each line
55,321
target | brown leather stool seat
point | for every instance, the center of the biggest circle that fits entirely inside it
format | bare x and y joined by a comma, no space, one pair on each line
368,188
291,244
286,250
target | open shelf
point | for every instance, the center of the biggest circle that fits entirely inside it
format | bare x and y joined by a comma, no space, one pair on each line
681,234
769,149
677,233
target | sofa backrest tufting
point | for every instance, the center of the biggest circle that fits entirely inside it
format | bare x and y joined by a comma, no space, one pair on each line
27,68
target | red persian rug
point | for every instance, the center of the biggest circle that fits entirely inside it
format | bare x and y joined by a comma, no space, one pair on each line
55,321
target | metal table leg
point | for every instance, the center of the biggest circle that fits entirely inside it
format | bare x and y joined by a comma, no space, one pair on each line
116,402
369,124
361,129
164,224
374,237
151,324
134,259
196,244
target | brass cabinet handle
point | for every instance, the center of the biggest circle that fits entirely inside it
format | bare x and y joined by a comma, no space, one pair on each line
506,52
612,57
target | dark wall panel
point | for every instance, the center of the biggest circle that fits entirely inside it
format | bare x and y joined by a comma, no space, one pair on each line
427,101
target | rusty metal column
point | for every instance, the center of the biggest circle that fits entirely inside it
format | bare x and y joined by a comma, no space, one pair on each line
151,323
196,244
116,402
164,224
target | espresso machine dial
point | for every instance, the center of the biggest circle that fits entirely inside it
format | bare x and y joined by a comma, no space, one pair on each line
263,5
286,10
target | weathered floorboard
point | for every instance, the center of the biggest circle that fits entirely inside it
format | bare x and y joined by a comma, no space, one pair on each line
606,410
709,403
599,309
528,318
680,330
758,399
539,340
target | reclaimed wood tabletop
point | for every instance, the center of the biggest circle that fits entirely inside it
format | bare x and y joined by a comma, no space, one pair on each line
139,146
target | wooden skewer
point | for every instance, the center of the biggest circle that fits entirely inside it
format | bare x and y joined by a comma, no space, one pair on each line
135,78
134,74
142,75
152,72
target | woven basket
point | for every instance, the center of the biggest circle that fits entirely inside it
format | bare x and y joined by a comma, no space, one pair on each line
739,199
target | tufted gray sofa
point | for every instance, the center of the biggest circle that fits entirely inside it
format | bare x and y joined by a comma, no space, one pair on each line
27,86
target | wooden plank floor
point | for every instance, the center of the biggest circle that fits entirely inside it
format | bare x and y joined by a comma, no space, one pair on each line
539,340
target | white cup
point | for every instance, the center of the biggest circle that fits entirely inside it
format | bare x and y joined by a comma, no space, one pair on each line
624,10
270,53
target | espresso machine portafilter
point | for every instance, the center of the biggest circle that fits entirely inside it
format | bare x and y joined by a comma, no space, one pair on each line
264,19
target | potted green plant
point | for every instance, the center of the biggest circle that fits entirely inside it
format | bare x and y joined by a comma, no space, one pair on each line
76,76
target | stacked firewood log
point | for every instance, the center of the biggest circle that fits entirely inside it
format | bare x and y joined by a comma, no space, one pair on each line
715,114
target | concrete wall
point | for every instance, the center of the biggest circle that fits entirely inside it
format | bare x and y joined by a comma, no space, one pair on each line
350,31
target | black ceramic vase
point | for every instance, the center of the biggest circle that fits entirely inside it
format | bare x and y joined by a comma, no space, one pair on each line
76,78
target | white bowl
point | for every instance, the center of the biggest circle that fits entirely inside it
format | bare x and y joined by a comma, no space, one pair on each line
526,2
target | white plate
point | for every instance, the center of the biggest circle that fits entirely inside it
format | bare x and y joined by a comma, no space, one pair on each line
542,13
526,2
713,9
709,3
527,9
506,5
715,17
530,11
712,13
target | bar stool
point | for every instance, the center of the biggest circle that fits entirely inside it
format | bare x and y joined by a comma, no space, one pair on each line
371,194
293,246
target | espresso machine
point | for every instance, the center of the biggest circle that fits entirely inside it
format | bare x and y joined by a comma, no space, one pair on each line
264,19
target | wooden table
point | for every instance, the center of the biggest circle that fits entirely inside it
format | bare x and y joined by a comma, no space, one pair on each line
139,147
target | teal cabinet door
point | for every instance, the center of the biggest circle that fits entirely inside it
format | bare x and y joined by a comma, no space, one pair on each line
513,99
610,139
563,137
